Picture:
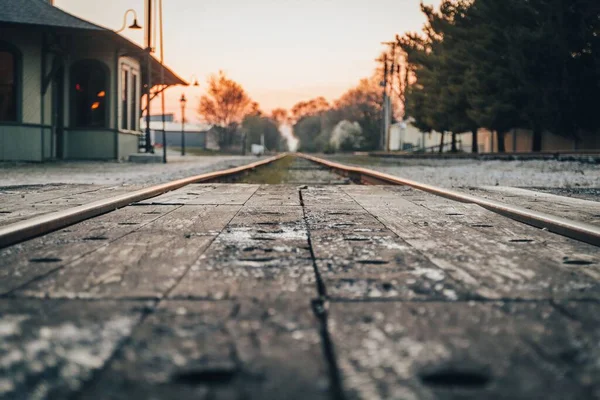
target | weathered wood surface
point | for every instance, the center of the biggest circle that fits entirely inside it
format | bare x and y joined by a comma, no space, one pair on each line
269,292
25,262
567,207
235,321
50,348
206,194
262,253
145,263
486,267
466,350
18,203
360,258
219,350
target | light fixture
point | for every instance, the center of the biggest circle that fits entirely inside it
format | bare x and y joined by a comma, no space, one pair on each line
194,80
135,24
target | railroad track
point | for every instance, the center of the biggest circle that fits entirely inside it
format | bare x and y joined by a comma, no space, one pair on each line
37,226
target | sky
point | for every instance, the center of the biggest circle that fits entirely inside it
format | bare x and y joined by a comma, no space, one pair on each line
281,51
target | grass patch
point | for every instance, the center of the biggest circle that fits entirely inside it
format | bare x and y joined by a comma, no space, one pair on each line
272,174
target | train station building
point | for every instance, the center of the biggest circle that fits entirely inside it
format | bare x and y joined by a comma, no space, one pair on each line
69,89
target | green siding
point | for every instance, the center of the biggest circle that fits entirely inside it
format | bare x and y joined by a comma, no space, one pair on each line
128,144
21,143
90,145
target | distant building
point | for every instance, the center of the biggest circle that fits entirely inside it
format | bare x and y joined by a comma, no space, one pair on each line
69,89
158,118
198,135
404,136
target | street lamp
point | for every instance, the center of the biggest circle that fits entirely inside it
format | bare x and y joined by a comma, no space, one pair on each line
194,79
183,102
135,24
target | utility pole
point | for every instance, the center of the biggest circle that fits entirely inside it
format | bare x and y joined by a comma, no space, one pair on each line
389,115
149,147
162,81
385,102
385,129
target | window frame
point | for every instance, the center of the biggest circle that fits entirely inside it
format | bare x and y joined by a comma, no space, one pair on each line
132,69
18,70
73,95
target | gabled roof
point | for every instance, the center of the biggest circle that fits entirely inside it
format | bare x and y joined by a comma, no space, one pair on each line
41,13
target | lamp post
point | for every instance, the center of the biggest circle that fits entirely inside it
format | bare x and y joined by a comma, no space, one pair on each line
148,145
135,24
183,102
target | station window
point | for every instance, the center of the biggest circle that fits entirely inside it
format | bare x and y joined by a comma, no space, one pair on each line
129,109
8,85
89,80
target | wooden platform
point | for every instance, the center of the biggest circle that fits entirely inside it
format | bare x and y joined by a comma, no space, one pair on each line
224,291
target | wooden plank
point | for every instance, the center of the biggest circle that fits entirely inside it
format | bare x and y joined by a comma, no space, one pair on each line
31,194
22,202
268,258
29,260
17,207
219,350
460,350
275,196
77,199
574,255
485,267
16,213
359,258
327,197
50,348
144,263
207,194
566,207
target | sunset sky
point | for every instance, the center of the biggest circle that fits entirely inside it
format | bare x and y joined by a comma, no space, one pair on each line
281,51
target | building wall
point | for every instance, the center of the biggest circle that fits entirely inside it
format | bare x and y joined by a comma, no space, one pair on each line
90,145
589,141
22,143
128,144
27,139
192,139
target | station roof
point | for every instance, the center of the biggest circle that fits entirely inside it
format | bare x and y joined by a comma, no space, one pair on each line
42,14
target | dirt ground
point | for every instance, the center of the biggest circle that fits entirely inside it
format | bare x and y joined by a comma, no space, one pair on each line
114,173
469,173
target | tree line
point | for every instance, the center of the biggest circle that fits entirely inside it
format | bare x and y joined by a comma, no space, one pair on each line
350,123
501,65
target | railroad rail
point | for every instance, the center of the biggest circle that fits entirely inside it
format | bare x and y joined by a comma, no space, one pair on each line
576,230
24,230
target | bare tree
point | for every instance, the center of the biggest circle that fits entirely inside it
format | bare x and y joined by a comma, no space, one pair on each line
225,105
309,108
280,116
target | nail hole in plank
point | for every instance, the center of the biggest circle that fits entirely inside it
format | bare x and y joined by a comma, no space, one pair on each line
45,260
448,378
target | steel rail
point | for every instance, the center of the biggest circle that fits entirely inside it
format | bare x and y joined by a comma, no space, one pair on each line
41,225
574,229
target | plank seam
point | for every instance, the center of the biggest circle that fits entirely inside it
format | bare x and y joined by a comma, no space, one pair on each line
320,308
